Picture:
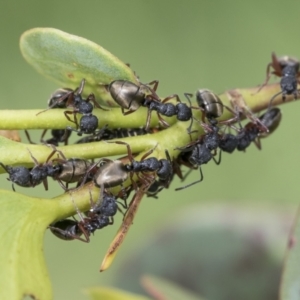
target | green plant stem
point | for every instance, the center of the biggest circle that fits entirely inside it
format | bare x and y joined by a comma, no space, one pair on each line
170,138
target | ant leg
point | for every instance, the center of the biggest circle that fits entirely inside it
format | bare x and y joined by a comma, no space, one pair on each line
148,152
79,132
188,97
45,183
74,112
148,119
125,113
174,96
268,76
64,187
42,136
162,121
28,137
257,143
54,151
272,99
187,147
217,162
91,97
198,181
79,90
33,158
154,83
4,167
168,156
130,156
93,204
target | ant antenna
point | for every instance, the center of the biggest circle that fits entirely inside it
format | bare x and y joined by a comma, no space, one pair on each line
272,99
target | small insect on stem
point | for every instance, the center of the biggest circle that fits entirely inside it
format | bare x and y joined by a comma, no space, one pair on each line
287,68
131,97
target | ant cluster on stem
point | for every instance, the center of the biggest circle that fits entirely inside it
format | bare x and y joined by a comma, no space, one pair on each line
148,175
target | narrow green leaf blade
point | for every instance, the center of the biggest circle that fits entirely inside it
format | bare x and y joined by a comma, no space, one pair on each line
162,289
100,293
22,225
67,59
290,277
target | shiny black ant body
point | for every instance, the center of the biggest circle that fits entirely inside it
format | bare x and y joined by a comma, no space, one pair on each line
204,149
288,69
69,230
162,167
131,96
99,216
112,173
60,169
30,177
199,152
158,185
88,122
251,132
59,98
18,175
64,98
69,170
211,107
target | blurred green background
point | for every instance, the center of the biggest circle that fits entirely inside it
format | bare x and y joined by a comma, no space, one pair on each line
186,45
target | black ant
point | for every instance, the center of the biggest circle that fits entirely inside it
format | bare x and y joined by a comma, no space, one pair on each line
69,98
200,151
69,170
59,98
251,132
196,154
158,185
58,136
162,167
99,216
69,230
18,175
88,122
211,107
131,96
112,173
62,170
30,177
287,68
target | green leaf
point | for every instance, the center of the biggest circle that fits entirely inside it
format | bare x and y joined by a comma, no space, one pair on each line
99,293
290,278
67,59
23,221
162,289
23,269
